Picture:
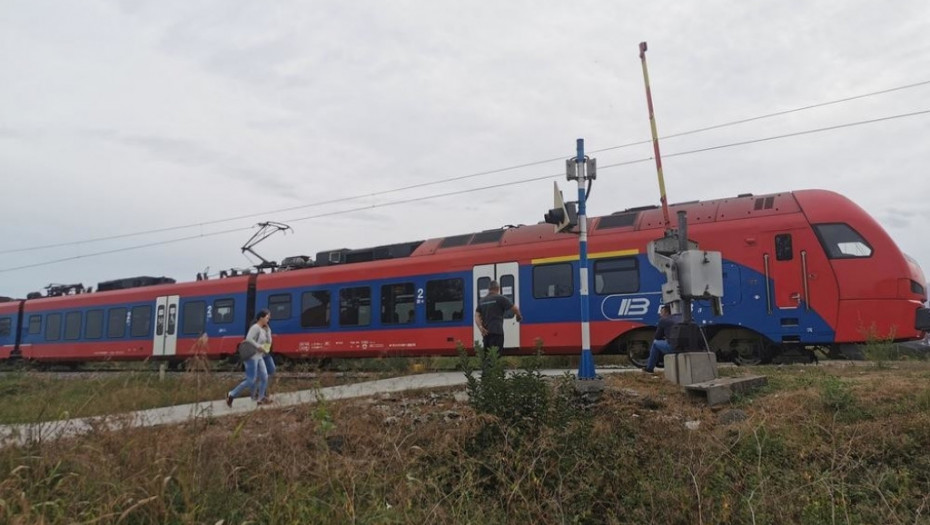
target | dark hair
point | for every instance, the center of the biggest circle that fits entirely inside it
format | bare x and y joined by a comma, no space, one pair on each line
264,312
494,285
665,308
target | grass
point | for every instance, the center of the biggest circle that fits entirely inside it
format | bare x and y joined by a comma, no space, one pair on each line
820,444
38,396
43,396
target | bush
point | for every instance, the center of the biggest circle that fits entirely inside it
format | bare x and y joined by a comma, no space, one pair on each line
519,398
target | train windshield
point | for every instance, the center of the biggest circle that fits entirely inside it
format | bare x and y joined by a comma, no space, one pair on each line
840,241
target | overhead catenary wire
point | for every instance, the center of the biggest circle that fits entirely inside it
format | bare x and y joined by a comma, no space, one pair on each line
482,188
460,177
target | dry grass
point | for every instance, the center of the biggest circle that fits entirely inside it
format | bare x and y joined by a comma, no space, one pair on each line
818,445
32,396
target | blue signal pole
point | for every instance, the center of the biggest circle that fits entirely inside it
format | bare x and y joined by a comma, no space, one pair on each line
582,173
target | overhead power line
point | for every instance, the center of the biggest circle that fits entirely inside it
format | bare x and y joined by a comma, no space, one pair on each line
770,115
482,188
457,178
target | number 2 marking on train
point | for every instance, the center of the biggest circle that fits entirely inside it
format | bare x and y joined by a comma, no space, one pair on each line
419,295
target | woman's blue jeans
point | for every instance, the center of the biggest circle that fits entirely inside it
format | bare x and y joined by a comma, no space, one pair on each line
269,364
256,379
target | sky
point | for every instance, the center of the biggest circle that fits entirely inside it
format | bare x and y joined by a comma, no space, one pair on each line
169,129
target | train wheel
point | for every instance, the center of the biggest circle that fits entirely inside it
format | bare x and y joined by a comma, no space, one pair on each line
748,352
637,350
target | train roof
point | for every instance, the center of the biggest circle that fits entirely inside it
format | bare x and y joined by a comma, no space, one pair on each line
743,206
9,307
143,293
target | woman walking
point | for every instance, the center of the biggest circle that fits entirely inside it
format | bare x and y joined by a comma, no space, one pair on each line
251,352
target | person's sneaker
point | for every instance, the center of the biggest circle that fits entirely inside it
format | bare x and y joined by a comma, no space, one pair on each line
646,370
264,401
229,400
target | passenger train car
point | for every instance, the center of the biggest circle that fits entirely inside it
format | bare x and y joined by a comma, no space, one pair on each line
802,269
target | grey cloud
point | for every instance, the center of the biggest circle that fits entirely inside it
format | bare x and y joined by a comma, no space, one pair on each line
902,219
20,133
266,182
185,152
192,153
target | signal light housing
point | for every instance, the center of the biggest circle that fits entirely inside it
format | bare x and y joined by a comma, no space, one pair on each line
564,215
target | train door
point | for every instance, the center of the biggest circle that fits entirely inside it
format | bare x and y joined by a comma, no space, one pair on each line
507,274
166,326
785,268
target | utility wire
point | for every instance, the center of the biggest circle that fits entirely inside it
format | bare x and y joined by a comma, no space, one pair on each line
461,177
482,188
770,115
800,133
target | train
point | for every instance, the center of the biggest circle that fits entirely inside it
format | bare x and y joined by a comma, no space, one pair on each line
803,270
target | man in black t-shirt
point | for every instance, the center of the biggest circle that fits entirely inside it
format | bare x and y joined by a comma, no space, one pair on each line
660,344
489,316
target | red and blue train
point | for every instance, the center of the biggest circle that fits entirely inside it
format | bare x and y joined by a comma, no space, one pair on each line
802,269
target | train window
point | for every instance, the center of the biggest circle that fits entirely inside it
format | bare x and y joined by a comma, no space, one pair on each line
842,242
6,326
445,300
223,311
160,320
280,306
53,327
73,325
397,301
314,309
35,324
783,250
483,284
172,319
508,290
553,280
355,306
93,324
195,318
616,276
116,322
917,288
141,321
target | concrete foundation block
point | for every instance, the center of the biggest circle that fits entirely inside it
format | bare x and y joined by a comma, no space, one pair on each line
690,367
720,390
589,386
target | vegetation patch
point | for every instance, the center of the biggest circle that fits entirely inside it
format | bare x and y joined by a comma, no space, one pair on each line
821,444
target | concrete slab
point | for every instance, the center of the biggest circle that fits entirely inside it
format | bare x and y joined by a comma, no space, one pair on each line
51,430
721,390
690,367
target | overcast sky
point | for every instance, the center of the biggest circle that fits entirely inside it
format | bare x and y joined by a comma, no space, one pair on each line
121,117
